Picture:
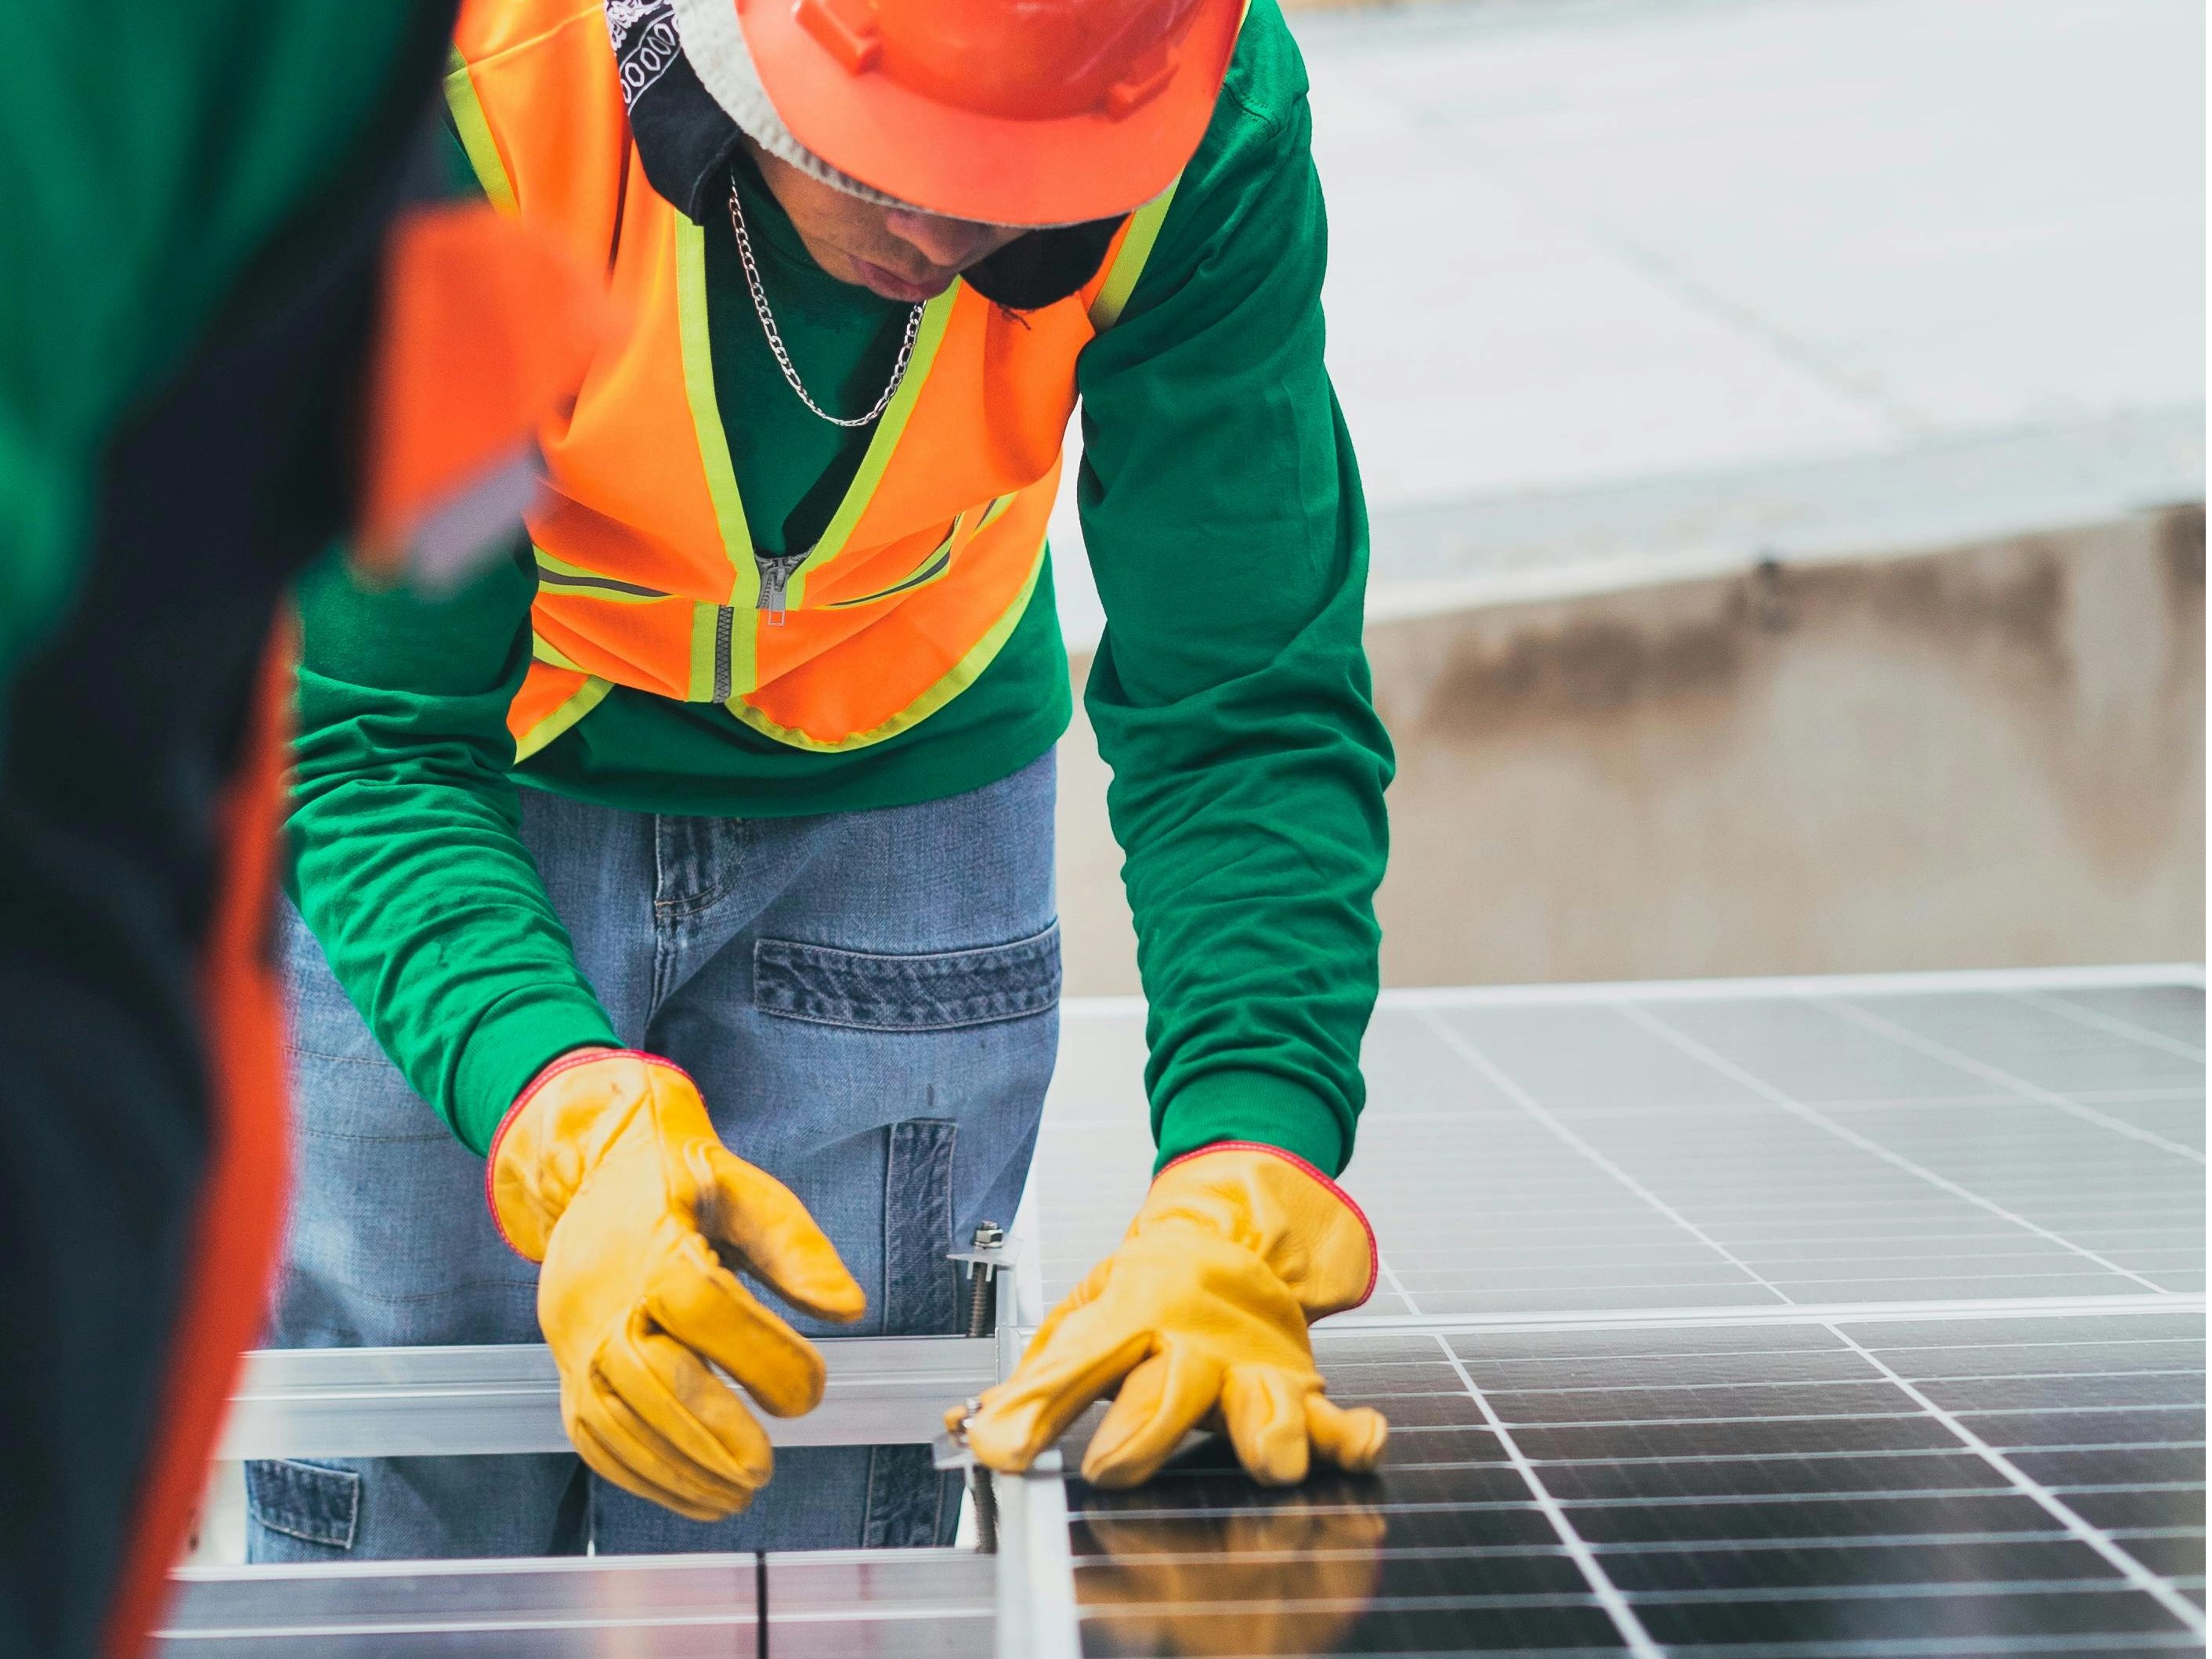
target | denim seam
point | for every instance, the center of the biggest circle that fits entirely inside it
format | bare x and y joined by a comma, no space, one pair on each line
898,957
261,1519
298,1052
964,1023
441,1293
923,991
687,905
439,1139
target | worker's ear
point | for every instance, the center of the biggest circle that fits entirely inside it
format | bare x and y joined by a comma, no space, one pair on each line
1043,267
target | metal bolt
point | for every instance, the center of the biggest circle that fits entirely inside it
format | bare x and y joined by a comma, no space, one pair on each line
984,1283
986,1499
981,1495
982,1320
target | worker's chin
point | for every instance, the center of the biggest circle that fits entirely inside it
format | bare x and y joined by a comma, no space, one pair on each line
892,286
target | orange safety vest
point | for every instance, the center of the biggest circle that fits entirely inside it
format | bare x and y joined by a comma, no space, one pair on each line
647,573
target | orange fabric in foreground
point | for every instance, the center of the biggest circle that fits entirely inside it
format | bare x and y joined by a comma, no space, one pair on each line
239,1218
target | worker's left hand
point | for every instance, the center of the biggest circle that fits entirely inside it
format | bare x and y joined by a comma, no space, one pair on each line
1199,1319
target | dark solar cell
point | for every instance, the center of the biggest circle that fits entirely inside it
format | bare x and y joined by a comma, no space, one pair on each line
1791,1499
1770,1624
1794,1565
1830,1516
1496,1632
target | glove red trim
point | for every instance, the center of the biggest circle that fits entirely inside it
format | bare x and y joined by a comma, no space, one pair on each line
1374,1251
552,1069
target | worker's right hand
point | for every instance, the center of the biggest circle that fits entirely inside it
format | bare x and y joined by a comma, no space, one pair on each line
608,1171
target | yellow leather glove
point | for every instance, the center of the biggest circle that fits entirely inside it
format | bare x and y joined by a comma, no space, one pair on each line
607,1170
1199,1319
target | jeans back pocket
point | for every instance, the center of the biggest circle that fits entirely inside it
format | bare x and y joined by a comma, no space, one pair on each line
924,991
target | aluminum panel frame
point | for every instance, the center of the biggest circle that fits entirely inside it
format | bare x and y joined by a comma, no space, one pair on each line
506,1399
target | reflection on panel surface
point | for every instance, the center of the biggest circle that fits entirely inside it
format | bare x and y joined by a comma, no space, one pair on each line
1893,1488
1725,1151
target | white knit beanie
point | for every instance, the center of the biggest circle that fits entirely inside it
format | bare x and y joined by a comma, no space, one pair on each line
715,43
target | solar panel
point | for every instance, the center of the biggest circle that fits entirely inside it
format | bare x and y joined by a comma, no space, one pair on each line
1850,1318
1650,1147
1802,1319
1855,1486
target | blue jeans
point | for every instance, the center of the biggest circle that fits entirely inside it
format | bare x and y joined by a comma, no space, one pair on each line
870,1002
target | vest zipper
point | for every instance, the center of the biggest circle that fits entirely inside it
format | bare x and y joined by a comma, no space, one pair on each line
725,621
774,577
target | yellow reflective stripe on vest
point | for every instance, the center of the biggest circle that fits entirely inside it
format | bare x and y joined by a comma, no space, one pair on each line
956,679
1137,247
934,317
1130,264
706,414
476,134
551,657
588,696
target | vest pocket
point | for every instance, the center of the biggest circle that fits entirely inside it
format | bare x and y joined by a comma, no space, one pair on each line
934,991
940,559
315,1502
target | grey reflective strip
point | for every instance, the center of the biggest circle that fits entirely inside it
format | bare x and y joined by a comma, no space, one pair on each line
560,579
934,568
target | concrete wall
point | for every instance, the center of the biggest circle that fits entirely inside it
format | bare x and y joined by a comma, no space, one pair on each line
1987,757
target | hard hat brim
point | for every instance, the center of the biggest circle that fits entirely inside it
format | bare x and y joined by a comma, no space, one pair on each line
998,169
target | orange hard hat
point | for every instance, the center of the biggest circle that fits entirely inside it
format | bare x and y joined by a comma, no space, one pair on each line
1011,112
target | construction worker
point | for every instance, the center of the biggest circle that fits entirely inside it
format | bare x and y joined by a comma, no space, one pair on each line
695,867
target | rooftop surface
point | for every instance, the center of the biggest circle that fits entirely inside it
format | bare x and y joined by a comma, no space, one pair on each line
1627,290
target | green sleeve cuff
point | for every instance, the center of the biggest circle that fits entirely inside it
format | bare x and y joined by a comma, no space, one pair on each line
511,1044
1252,1106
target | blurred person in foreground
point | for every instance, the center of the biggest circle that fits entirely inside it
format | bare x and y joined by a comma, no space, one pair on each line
229,339
695,866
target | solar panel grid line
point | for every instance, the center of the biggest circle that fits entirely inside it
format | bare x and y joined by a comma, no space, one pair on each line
1770,1313
1857,1454
1609,1598
1947,1588
1920,1313
1824,1381
1390,1277
1870,1020
2109,1022
1901,1539
1796,1108
2125,976
2097,1538
1467,1051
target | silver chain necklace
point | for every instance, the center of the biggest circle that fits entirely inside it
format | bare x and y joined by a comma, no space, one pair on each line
775,338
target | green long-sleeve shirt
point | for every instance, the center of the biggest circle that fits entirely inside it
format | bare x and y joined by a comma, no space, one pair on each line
1222,512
